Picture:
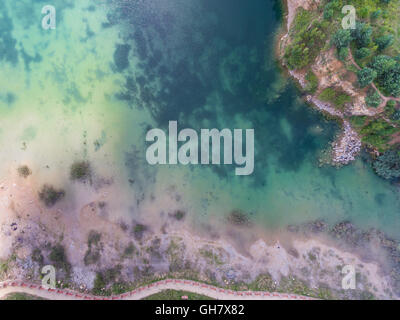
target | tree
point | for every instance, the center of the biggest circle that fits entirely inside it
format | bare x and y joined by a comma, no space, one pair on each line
366,76
373,99
362,53
388,71
342,38
376,14
384,41
362,34
388,165
343,53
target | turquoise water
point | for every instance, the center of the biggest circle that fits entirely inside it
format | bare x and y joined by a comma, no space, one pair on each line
114,69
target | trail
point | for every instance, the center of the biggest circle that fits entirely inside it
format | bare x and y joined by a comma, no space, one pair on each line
8,287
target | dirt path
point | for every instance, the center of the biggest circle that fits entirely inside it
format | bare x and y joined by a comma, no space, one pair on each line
143,292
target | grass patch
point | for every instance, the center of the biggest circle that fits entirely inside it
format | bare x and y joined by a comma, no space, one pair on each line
312,80
22,296
177,295
377,134
336,97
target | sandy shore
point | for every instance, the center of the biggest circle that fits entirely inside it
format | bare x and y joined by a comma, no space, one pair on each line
285,261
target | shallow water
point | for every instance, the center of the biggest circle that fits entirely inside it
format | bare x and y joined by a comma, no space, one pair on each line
113,69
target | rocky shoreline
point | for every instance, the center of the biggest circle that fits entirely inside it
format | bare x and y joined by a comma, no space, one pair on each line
348,144
369,244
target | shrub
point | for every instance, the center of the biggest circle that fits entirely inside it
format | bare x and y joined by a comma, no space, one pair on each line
373,99
24,171
362,34
80,170
387,165
312,79
343,53
366,76
384,41
388,73
308,37
363,53
377,133
59,259
336,97
49,195
342,38
238,218
138,230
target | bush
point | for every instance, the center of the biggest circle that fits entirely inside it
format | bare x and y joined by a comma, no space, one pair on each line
388,71
384,41
308,37
59,259
366,76
387,165
49,195
373,99
342,38
336,97
138,231
377,133
238,218
343,53
80,170
376,14
362,53
312,79
24,171
362,34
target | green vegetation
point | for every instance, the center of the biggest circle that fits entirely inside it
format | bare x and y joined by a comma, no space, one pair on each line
377,133
388,165
366,76
336,97
179,215
92,255
37,256
176,295
312,80
238,218
80,171
130,250
211,256
391,111
388,74
59,259
362,53
373,99
24,171
22,296
358,122
375,46
50,196
308,35
384,41
139,230
105,278
342,38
